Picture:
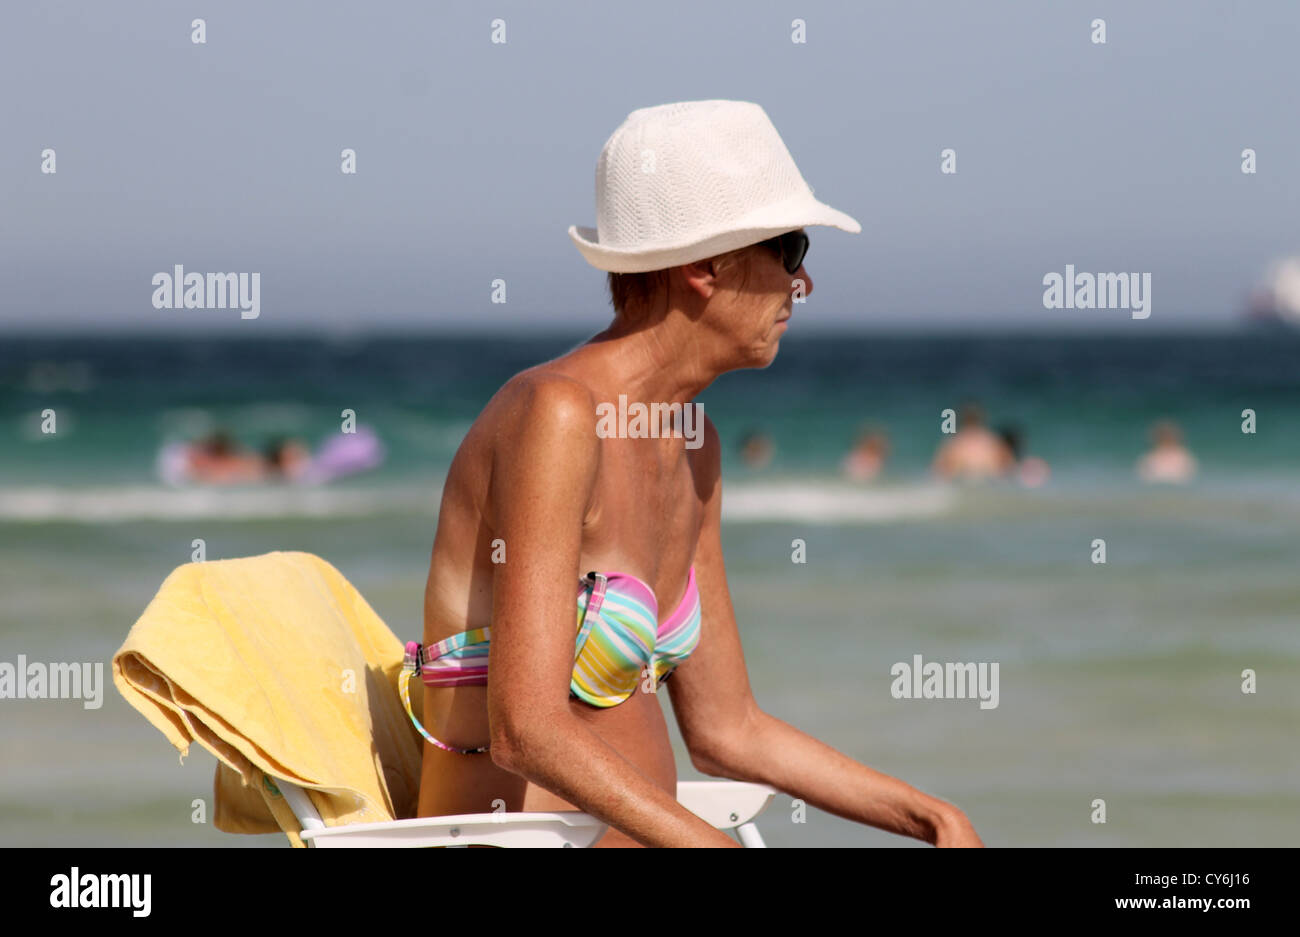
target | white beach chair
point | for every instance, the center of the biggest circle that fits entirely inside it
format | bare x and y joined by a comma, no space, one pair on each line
218,630
728,805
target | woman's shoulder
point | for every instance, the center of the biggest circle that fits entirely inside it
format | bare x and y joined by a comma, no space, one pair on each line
538,437
546,391
539,409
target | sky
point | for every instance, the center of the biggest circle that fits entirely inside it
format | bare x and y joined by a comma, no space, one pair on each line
473,157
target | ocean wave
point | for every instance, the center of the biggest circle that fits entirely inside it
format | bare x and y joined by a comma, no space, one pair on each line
811,502
833,503
104,505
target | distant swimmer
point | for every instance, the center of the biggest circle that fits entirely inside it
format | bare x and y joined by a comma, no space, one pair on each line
287,458
756,449
866,459
218,460
1169,460
1030,471
974,453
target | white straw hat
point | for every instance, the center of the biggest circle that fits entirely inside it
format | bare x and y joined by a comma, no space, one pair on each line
681,182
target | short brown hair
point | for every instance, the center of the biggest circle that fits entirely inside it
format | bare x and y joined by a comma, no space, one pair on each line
639,289
635,289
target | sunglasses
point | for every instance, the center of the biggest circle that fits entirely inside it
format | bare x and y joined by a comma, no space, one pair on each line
790,248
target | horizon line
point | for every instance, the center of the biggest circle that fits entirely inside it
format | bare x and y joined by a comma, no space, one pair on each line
235,332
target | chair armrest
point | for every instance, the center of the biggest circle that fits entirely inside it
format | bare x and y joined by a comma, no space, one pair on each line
568,828
725,804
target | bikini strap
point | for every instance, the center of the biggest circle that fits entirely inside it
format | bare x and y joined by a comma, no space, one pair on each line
410,667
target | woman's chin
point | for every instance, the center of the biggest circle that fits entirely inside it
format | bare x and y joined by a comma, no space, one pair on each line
769,353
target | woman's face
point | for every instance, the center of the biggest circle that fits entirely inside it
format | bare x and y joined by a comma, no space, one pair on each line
752,307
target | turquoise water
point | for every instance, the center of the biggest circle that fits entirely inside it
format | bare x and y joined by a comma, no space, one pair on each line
1118,681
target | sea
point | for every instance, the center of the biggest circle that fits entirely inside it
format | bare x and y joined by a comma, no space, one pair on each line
1152,699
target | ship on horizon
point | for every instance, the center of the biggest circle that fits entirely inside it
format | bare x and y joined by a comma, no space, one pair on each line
1276,301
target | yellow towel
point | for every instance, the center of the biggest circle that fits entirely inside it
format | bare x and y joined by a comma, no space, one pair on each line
280,668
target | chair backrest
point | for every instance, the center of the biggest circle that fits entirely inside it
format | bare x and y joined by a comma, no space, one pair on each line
301,806
276,664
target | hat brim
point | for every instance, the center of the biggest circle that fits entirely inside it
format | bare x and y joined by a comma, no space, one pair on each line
757,226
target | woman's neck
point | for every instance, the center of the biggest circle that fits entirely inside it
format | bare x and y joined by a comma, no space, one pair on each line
662,361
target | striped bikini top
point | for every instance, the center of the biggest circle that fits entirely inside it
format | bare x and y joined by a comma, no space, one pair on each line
618,639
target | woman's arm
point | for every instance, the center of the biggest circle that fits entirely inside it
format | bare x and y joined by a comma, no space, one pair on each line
543,474
776,753
729,736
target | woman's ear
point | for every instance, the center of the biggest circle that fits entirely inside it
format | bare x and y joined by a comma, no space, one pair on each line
700,277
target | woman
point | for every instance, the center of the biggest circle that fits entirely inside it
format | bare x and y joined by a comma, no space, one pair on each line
701,213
